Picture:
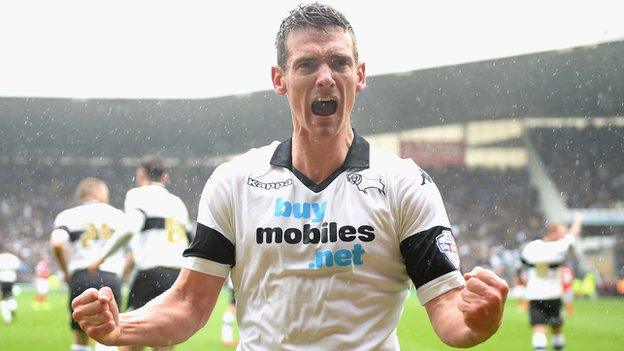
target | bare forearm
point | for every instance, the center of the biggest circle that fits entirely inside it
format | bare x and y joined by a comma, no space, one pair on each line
169,319
173,316
465,317
454,332
59,255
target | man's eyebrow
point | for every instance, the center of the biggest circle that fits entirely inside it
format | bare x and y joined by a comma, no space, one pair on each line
342,56
304,58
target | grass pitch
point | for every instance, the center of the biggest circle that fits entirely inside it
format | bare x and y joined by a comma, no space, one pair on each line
597,325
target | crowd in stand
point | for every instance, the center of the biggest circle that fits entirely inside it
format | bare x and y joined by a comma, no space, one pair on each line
489,209
587,164
493,212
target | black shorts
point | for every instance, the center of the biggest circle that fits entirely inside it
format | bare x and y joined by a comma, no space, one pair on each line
546,312
232,296
7,289
82,280
150,283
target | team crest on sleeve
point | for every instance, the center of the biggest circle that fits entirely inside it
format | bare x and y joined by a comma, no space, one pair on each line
365,184
447,245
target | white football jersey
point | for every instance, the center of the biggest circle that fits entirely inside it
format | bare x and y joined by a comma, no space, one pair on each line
324,266
544,259
161,224
87,228
9,264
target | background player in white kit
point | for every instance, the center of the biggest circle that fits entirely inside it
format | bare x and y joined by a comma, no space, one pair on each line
81,232
9,265
544,259
321,233
158,228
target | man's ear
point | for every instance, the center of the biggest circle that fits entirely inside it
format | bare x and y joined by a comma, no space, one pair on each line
277,77
361,77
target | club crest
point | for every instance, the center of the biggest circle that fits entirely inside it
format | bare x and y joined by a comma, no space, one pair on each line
365,184
446,244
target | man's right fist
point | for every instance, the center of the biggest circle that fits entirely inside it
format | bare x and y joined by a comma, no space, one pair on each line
97,314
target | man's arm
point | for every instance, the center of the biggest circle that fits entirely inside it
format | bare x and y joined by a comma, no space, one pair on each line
119,240
169,319
132,223
128,266
465,317
58,242
575,228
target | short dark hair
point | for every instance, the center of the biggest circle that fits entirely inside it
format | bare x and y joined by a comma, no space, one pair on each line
314,15
153,167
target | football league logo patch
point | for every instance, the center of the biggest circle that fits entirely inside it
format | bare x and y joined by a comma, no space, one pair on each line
365,184
447,245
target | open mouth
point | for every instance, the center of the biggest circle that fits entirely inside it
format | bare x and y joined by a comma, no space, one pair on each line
324,107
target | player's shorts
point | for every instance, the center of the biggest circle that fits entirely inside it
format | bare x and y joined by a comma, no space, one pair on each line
150,283
545,312
82,280
42,285
7,289
232,297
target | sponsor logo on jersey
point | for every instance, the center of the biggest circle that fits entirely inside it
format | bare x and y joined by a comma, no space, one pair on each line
268,186
307,210
447,245
365,184
340,258
317,232
328,232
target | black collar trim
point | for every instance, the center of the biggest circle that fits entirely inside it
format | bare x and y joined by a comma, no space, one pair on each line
358,157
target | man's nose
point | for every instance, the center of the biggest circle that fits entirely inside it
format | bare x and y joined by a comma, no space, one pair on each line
325,77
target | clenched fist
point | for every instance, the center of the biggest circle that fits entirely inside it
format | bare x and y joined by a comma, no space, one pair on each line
97,314
483,301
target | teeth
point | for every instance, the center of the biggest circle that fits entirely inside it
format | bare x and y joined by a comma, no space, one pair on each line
324,99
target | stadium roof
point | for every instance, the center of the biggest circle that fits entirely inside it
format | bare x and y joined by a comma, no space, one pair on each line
584,81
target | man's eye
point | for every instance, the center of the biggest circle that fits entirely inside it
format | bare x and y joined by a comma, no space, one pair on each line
306,65
340,62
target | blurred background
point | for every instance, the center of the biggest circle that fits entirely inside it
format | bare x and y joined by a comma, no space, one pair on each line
513,138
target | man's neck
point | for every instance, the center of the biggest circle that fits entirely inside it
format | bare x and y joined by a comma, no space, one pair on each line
151,183
318,158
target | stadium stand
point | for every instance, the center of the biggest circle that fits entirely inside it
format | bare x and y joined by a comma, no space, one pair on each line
48,145
586,164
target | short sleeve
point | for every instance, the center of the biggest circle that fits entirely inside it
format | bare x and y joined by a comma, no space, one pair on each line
427,243
59,236
61,233
212,249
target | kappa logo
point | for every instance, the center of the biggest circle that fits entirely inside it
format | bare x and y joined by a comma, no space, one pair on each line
447,245
363,183
268,186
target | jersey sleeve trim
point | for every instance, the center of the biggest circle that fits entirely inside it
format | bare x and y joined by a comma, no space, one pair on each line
439,286
211,245
153,223
532,265
203,265
429,254
73,235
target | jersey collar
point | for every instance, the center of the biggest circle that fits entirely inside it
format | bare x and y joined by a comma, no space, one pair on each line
358,157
